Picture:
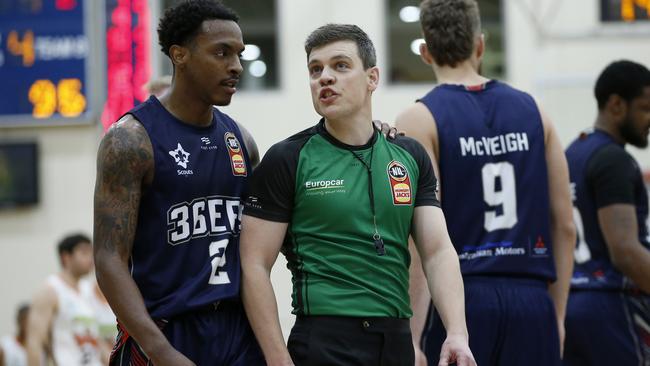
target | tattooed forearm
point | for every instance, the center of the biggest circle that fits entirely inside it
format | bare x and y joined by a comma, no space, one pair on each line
124,162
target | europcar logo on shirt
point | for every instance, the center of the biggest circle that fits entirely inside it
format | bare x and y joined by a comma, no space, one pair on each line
400,183
237,162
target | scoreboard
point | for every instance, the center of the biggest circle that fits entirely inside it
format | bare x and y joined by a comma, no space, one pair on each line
45,63
625,10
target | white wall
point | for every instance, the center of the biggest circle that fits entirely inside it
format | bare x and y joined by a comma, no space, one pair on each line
28,237
558,66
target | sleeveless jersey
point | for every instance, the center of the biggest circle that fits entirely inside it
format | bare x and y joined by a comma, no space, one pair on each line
75,334
186,249
106,322
321,187
494,179
593,267
13,352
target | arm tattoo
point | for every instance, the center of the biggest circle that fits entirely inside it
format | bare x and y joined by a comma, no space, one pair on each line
124,161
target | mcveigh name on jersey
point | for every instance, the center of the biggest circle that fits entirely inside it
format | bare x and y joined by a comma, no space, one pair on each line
495,145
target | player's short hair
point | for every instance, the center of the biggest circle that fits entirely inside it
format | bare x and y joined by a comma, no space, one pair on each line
181,23
627,79
68,244
330,33
450,29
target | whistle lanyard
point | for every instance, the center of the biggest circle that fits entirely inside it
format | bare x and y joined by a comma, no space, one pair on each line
376,237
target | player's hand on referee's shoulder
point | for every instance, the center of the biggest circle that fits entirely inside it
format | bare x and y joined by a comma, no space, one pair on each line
455,351
386,129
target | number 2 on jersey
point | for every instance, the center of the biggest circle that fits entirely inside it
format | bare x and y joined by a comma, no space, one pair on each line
505,197
218,261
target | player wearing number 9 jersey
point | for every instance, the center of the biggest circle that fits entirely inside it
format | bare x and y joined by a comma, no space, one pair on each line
171,175
608,314
505,192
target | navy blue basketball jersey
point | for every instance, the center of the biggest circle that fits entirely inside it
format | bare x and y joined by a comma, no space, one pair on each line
186,249
593,268
494,180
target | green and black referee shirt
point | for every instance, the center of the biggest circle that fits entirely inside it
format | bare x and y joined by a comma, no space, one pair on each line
316,184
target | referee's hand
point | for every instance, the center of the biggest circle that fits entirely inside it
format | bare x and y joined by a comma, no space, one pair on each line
455,351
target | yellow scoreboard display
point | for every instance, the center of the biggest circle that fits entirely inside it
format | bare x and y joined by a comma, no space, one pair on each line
625,10
44,54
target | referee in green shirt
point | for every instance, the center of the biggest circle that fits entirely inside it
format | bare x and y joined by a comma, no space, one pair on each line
340,201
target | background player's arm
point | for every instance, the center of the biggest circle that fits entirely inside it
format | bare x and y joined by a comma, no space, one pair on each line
259,247
124,161
39,324
442,269
618,223
563,234
418,123
251,146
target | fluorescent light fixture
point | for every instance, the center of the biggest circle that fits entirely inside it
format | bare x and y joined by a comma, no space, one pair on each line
415,45
251,52
409,14
257,68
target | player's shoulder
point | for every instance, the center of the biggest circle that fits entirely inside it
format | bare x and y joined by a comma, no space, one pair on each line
611,155
127,144
127,127
416,120
416,112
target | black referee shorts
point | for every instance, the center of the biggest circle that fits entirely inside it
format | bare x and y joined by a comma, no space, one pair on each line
351,341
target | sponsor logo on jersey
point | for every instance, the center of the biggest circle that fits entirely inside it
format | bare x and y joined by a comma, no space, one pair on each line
206,144
400,183
237,162
323,187
182,158
490,249
203,216
324,184
540,249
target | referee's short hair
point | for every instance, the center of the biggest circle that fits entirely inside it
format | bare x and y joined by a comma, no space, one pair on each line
330,33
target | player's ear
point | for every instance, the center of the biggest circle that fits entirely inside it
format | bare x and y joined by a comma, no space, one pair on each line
480,46
178,55
425,55
616,107
373,78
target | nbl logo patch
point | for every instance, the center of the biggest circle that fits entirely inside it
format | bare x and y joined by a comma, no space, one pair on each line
235,152
400,183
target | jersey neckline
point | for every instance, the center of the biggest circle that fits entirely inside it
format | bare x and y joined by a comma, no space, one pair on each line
470,88
320,128
189,126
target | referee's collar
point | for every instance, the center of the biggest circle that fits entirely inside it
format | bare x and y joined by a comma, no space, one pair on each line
320,127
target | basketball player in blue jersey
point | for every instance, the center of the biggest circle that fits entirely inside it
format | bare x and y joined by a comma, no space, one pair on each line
170,178
505,193
608,314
